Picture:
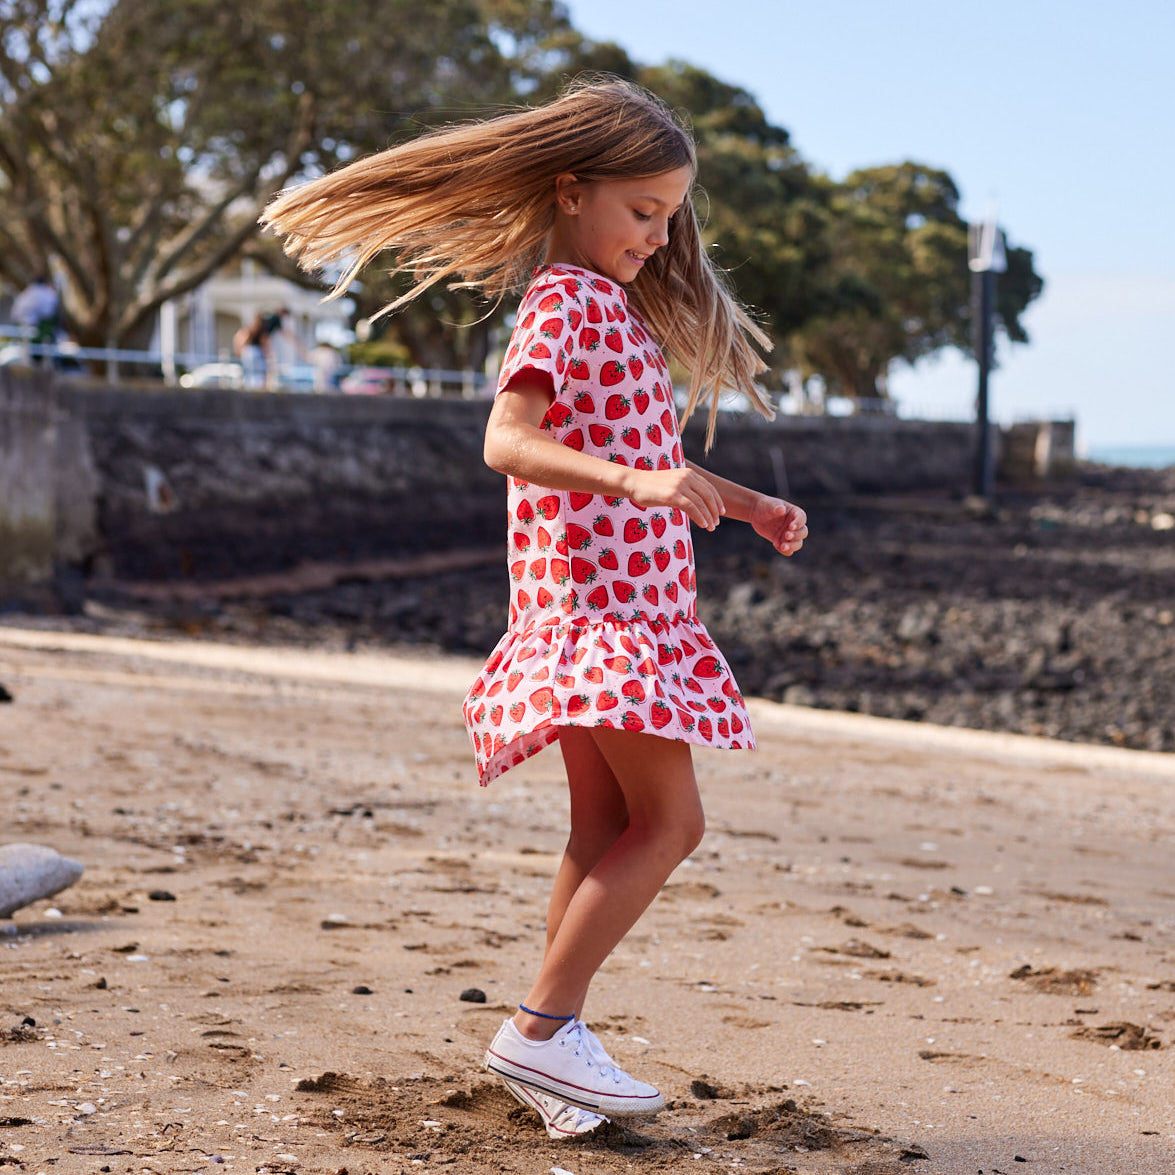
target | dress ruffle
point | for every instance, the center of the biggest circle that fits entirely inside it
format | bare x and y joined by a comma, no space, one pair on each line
658,674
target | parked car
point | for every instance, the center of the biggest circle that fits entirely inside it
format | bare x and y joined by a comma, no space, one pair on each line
368,381
214,375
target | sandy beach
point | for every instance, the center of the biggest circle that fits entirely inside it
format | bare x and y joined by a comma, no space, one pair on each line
900,947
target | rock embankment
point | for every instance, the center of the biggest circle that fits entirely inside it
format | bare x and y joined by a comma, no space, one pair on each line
1055,615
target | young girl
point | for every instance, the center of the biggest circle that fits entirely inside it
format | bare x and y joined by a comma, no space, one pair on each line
604,652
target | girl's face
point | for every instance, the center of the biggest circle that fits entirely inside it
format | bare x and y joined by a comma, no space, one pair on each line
613,226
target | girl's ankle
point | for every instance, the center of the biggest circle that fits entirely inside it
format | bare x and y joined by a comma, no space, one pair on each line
537,1027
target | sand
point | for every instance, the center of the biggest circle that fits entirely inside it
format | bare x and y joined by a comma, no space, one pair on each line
899,947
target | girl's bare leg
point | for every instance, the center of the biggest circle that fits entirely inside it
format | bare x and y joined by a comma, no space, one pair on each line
598,816
665,824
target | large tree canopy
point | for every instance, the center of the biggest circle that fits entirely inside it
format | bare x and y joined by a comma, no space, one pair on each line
140,139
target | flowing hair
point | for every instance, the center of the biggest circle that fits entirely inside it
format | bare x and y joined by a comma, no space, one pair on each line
474,202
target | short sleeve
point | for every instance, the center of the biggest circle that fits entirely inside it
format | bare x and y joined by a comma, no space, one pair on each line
545,335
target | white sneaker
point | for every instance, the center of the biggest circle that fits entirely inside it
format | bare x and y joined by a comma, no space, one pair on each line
562,1119
570,1067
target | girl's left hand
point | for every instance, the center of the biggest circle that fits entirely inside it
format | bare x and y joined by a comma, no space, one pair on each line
783,525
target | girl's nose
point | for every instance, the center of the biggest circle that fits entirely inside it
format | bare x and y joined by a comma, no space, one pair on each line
658,234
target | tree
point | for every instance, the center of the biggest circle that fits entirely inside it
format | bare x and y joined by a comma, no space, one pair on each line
898,286
140,139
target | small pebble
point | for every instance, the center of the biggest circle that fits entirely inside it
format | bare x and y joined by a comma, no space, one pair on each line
360,989
161,895
473,995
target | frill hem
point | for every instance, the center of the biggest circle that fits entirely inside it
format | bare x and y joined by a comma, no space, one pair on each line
659,675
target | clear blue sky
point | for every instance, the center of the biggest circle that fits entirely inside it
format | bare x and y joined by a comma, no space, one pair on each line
1064,113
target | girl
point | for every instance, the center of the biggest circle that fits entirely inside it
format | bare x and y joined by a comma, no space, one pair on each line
604,652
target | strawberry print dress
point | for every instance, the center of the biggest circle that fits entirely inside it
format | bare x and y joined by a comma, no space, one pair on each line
603,626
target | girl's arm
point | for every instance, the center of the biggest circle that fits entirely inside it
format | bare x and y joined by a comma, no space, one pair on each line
782,524
517,446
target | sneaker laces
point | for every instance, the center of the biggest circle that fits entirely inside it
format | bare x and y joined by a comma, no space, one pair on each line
597,1051
585,1042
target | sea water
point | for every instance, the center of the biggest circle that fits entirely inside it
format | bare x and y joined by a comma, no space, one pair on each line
1138,456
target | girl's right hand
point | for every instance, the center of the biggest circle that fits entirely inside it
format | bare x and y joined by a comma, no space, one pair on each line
684,488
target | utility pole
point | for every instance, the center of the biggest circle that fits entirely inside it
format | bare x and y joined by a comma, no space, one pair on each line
987,258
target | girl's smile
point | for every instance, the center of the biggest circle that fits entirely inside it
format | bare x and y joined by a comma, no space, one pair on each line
614,226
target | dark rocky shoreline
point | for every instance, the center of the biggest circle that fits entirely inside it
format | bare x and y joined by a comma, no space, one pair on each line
1052,615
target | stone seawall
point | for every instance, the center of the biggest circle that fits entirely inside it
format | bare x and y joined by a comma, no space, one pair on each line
165,484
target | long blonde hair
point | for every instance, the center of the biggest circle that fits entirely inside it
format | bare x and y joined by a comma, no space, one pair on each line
476,202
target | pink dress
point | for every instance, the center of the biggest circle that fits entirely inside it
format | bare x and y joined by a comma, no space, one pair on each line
603,624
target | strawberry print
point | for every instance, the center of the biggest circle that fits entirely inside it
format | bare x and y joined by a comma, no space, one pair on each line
603,627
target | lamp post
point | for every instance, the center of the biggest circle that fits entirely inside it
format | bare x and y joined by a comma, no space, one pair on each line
987,258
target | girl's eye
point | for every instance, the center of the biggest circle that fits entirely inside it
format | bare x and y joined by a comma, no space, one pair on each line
642,215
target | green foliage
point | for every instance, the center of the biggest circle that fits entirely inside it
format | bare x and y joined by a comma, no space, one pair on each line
140,139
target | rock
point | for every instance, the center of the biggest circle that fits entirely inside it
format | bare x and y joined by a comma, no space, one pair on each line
473,995
5,696
161,895
31,872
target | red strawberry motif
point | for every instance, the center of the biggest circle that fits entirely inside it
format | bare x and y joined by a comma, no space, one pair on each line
616,407
607,701
578,704
597,598
667,421
633,691
632,721
661,715
560,570
593,311
538,569
548,506
521,541
574,440
525,512
543,598
634,530
707,666
496,714
589,338
607,560
517,711
716,704
646,667
611,373
578,537
539,351
652,596
663,462
638,563
601,435
705,729
516,569
679,549
578,369
624,592
635,367
671,591
551,303
613,340
574,318
676,516
552,328
514,678
657,522
661,558
631,437
640,398
545,702
736,724
603,525
654,434
582,570
579,500
585,404
543,538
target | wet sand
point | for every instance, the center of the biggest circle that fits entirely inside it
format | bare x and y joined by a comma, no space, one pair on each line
900,947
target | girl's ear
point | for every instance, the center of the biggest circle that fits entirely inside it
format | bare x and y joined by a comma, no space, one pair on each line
567,193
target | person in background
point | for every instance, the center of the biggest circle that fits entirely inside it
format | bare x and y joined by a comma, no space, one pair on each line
38,309
253,346
327,362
